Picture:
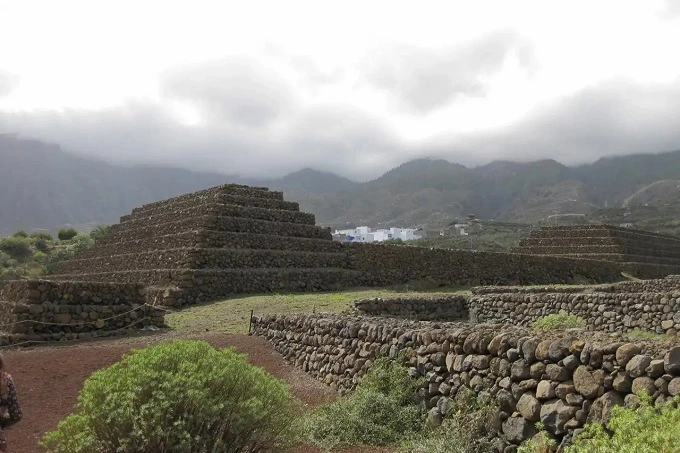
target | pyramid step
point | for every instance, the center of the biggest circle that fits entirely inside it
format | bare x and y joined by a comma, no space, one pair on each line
123,232
243,225
220,198
602,231
212,239
212,284
620,258
231,189
272,215
598,241
192,258
620,249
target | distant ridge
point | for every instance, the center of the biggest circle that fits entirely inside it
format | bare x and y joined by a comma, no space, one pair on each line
44,187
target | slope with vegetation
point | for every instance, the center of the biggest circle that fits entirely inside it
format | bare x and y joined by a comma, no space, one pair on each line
45,187
36,255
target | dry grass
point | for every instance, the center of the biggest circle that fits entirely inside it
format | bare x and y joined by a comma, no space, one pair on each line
232,315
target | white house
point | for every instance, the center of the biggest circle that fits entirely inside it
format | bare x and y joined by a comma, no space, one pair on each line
366,234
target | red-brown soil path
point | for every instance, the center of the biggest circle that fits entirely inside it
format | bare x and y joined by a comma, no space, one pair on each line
49,378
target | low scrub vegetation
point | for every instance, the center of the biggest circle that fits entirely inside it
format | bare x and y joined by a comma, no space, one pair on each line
38,254
559,321
382,410
647,429
184,396
468,428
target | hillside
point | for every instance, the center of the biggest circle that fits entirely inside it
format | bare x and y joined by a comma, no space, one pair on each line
45,187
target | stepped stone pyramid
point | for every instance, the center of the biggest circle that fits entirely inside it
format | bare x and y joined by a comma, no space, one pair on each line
650,253
213,243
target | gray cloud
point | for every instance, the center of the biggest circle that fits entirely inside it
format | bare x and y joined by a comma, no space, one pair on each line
614,118
671,9
7,83
236,89
424,80
329,138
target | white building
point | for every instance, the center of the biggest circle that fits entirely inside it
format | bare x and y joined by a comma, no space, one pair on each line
366,234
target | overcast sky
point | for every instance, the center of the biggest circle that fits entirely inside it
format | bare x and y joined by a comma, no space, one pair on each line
268,87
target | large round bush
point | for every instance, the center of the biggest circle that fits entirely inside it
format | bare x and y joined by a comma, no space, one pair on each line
184,396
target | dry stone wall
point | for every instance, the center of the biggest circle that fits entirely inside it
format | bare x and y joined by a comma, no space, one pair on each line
42,310
443,308
231,239
384,265
651,306
647,255
561,380
613,312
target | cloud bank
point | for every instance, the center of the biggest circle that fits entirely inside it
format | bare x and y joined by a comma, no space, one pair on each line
357,101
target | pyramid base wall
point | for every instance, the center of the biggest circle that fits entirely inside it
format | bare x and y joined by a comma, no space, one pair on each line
34,311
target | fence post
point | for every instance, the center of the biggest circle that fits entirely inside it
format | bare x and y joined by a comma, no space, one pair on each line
250,322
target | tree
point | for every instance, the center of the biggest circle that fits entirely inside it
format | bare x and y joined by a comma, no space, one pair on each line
67,234
99,232
184,396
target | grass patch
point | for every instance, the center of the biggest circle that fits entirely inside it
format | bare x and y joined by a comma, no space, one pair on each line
558,321
232,315
637,334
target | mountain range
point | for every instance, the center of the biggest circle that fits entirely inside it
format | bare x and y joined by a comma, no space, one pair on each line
45,187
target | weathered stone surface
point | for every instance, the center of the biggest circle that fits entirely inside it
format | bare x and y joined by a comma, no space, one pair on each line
529,407
545,390
674,386
622,382
626,352
555,414
643,384
517,429
637,366
672,361
588,383
601,409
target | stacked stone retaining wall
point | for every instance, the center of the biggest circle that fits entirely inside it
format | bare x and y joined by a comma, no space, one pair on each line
562,380
651,306
42,310
647,254
443,308
384,265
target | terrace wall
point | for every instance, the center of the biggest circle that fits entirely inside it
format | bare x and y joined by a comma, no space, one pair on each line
42,310
562,380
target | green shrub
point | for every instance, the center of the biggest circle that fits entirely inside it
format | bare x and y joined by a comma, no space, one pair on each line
81,242
99,232
558,321
56,257
18,248
40,244
184,396
380,411
42,235
20,234
466,429
540,443
66,234
647,429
